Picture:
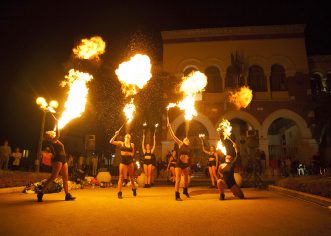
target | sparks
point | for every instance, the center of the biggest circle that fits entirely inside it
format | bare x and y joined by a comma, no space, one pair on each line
242,98
128,110
134,74
77,95
90,48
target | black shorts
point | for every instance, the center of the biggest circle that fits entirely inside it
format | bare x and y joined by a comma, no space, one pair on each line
148,161
126,160
212,163
172,165
182,165
59,158
230,182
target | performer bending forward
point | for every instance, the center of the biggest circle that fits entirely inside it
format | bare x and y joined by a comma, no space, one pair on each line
59,163
226,170
148,160
212,163
183,162
126,165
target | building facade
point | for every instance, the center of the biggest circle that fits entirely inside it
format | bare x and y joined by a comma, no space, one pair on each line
274,64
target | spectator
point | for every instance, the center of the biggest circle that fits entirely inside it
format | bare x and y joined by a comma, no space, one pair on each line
70,164
17,155
5,152
46,160
94,164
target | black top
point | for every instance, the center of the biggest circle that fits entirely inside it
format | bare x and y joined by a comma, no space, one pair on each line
149,154
228,170
184,150
126,149
212,156
58,148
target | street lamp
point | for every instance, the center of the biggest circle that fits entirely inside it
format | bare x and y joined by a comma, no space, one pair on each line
45,107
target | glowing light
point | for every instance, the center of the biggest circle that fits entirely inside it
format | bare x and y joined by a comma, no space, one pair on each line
202,135
90,48
192,84
156,125
145,124
42,102
134,74
241,98
54,104
138,164
77,95
226,128
221,147
128,110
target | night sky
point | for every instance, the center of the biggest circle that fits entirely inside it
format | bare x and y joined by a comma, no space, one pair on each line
38,36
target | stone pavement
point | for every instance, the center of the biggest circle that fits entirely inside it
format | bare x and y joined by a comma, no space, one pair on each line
155,212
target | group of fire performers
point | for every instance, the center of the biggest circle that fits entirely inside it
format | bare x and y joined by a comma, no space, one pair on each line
133,75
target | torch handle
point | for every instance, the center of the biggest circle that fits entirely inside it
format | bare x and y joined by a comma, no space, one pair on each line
54,117
122,126
230,140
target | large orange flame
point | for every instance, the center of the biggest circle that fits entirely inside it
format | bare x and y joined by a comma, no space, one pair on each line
226,128
221,147
241,98
77,95
192,84
90,48
134,74
128,110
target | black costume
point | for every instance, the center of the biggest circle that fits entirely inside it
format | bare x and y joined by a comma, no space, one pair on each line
212,162
183,150
173,162
58,151
228,172
149,158
126,159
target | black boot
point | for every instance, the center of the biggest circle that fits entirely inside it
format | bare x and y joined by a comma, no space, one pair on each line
119,195
145,186
40,196
134,192
186,192
222,196
69,197
177,194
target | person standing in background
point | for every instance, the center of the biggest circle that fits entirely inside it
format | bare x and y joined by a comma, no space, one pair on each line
46,160
5,152
17,155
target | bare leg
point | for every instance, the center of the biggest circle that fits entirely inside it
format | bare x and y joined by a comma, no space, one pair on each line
122,175
65,178
221,186
149,174
130,169
237,191
213,169
178,176
146,174
56,168
173,174
185,172
211,176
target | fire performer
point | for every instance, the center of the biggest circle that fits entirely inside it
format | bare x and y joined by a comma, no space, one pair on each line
172,165
212,162
126,166
226,170
59,163
149,158
183,163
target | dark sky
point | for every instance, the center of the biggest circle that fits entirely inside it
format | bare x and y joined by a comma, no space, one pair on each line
37,38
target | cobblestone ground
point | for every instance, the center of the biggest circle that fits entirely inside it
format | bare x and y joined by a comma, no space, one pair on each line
155,212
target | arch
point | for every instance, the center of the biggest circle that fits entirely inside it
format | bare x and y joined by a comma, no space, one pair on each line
290,115
201,118
316,83
257,60
286,62
256,78
214,79
278,78
188,70
243,115
214,62
189,62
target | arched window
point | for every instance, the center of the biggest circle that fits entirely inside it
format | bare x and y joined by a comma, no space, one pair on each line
231,78
256,78
328,82
316,83
188,70
214,84
277,78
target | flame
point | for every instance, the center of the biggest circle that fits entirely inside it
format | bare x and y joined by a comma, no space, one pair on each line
156,125
128,110
145,124
77,95
242,98
221,147
134,74
42,102
90,48
192,84
226,128
202,135
138,164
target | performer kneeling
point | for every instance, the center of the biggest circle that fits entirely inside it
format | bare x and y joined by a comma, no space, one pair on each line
227,172
183,163
59,163
126,165
149,158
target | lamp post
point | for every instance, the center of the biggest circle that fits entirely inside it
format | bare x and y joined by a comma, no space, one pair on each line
45,107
